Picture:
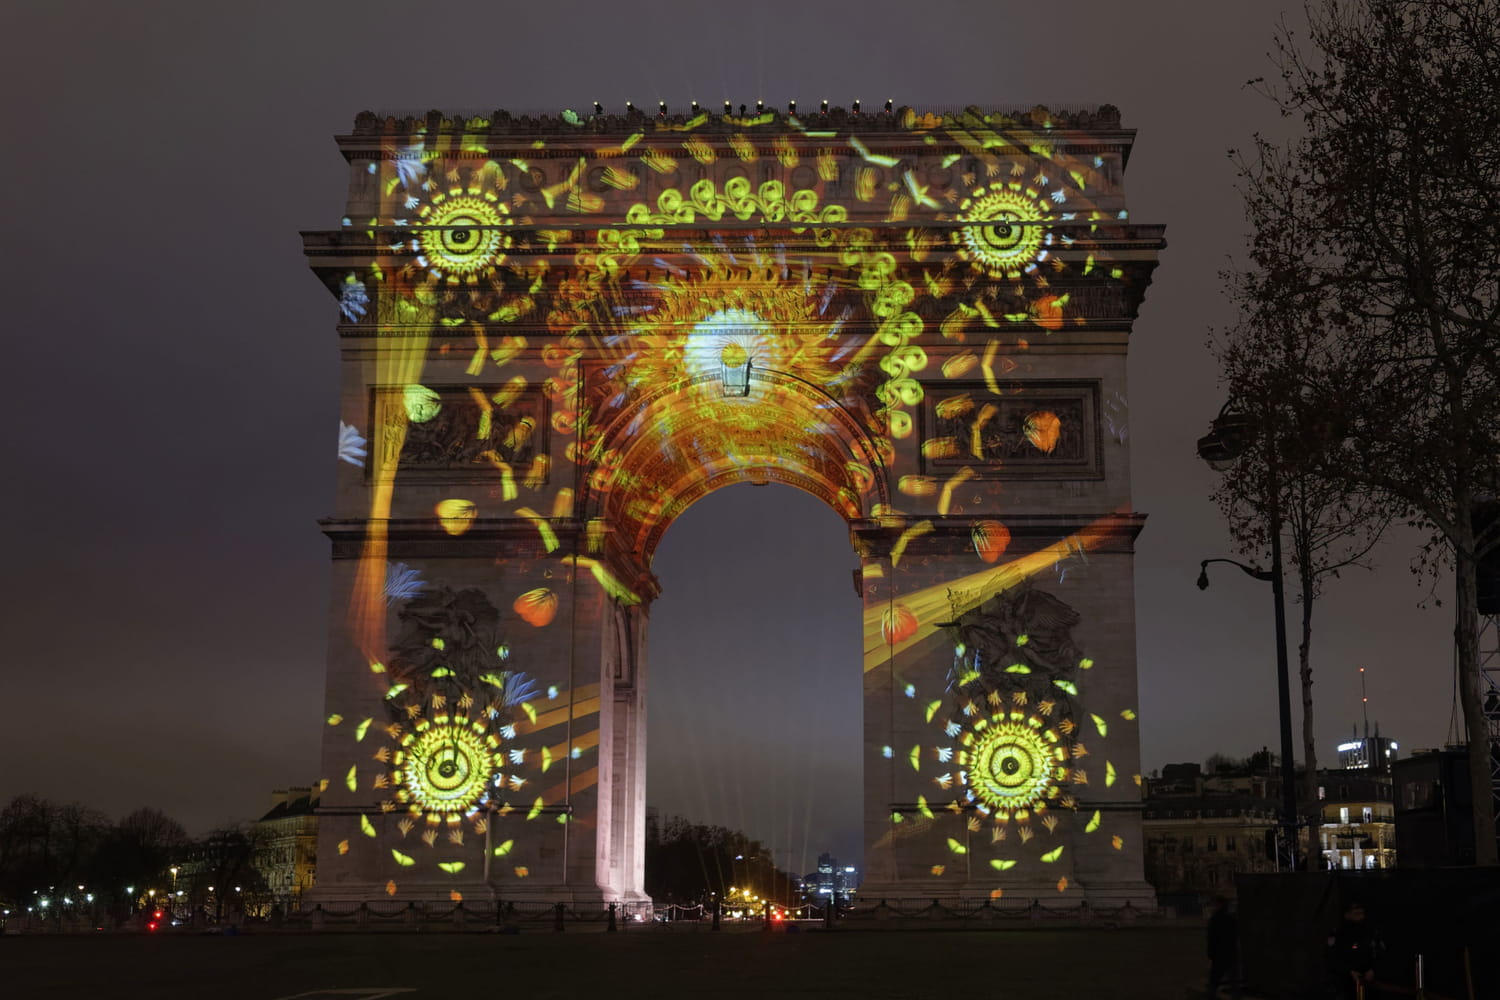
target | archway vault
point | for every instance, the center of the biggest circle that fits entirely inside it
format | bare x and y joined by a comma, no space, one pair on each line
685,440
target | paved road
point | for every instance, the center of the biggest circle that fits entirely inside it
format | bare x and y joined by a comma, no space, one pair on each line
1158,963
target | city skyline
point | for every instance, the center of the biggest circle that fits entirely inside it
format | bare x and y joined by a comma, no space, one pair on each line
174,576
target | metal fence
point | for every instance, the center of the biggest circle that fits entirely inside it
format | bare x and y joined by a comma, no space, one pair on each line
515,916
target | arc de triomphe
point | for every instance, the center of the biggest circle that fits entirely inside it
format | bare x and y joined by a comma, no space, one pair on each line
558,333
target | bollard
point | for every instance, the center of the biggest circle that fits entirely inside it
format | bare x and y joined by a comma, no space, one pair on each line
611,926
715,906
557,918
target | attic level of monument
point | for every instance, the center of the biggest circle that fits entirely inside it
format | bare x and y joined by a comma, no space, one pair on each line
558,332
1097,122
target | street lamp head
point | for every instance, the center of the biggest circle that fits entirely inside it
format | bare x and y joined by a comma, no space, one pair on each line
1228,436
1216,452
1203,577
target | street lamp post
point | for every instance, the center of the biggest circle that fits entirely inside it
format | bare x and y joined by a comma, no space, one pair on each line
1228,436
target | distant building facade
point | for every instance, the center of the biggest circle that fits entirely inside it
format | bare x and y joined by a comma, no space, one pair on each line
1357,828
286,840
1358,822
1201,829
831,880
1376,752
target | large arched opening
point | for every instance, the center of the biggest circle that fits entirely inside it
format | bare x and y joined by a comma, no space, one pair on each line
755,719
721,426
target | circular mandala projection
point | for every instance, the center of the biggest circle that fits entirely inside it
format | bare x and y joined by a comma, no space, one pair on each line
1005,234
461,235
1012,766
445,767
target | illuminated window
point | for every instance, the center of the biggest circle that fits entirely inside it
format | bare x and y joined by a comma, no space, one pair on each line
1344,814
1369,814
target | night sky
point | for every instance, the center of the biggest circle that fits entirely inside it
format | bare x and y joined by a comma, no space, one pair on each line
171,384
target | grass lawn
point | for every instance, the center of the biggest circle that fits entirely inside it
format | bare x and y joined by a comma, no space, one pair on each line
1159,963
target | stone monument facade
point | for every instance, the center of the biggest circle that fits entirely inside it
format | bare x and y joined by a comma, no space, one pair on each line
559,332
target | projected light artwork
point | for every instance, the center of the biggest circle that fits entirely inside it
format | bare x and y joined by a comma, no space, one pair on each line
559,333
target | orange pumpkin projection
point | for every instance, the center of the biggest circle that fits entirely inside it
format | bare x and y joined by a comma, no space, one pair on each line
536,607
991,538
897,624
1042,429
1049,312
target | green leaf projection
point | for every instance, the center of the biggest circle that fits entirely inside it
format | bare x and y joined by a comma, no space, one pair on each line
559,334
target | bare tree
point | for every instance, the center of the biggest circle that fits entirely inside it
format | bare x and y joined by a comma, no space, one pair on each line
1273,360
137,850
1383,219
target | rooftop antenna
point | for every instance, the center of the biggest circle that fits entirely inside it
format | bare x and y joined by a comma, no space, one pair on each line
1364,702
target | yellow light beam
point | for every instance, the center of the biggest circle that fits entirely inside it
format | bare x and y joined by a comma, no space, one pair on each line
946,601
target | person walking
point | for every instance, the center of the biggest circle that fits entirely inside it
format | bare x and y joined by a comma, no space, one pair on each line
1223,949
1352,951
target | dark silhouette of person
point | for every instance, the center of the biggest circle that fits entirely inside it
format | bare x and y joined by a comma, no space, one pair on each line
1223,948
1352,951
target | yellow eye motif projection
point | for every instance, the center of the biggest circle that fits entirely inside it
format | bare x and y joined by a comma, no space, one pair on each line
1006,230
1010,765
462,237
445,766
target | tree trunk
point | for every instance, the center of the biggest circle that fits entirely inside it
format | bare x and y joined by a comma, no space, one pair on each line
1310,807
1470,690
